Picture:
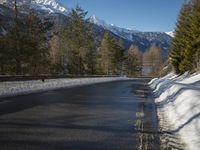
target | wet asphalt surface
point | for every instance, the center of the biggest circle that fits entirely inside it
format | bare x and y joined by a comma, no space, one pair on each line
117,115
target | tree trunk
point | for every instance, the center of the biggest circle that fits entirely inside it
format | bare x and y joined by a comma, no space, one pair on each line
18,68
2,69
16,10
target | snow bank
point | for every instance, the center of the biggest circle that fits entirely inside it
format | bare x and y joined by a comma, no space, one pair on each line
178,98
23,87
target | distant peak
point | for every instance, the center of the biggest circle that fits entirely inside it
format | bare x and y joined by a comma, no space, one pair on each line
94,19
170,33
50,5
129,29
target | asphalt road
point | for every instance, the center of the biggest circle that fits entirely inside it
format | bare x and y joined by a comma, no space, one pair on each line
117,115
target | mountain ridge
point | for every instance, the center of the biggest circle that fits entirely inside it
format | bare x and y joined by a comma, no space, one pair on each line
130,37
124,32
50,6
134,37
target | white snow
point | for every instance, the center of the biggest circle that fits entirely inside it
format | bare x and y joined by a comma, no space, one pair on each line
170,33
23,87
94,19
52,6
122,32
178,98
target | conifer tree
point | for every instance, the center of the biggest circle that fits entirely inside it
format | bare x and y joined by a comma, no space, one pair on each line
181,40
25,45
118,58
185,55
193,51
78,42
4,56
36,43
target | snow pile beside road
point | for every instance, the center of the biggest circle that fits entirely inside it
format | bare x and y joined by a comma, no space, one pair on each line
22,87
178,98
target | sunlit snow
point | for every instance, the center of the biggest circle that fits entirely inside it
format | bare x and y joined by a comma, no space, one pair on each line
179,98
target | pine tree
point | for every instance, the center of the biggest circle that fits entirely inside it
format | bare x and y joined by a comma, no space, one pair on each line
36,43
193,53
181,40
26,45
185,53
4,56
78,42
117,48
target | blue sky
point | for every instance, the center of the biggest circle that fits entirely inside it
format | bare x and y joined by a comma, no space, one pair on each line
143,15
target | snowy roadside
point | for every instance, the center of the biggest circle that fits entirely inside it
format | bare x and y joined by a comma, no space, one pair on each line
178,99
24,87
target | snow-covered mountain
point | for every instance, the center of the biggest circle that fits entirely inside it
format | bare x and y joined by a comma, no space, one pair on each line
122,32
170,33
58,13
129,34
142,39
97,21
50,6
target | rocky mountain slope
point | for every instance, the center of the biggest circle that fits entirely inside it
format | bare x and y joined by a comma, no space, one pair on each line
50,6
141,39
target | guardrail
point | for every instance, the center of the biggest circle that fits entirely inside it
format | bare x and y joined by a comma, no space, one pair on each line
4,78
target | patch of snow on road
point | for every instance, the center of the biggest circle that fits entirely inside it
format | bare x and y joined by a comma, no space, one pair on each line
23,87
178,98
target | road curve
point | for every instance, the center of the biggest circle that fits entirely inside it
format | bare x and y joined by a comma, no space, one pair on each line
117,115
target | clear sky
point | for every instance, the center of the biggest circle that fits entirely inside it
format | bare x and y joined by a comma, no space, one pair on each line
143,15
